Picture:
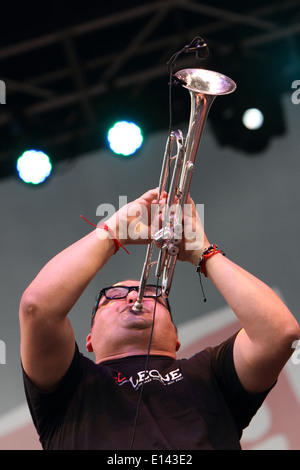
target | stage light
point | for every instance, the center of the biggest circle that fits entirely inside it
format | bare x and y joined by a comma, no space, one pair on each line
253,119
125,138
34,166
246,123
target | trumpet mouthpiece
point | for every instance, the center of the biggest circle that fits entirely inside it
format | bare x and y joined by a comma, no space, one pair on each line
138,306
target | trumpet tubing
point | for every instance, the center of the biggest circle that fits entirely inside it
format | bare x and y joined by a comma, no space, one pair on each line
204,86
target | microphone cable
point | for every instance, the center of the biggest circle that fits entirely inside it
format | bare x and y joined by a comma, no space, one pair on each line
145,371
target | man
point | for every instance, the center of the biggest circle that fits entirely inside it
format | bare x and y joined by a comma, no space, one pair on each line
129,400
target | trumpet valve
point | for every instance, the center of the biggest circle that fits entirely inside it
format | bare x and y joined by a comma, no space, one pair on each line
162,235
173,249
177,230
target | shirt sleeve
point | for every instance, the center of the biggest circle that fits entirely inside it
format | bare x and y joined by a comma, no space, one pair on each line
47,407
243,404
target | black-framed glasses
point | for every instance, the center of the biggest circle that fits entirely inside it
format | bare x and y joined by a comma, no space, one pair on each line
120,292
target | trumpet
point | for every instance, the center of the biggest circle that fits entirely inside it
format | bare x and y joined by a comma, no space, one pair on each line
204,86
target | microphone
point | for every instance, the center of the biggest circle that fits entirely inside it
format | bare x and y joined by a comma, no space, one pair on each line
201,49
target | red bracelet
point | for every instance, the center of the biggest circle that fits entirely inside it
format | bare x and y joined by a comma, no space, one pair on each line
207,253
116,241
108,229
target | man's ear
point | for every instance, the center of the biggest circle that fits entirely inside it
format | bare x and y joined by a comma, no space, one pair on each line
88,345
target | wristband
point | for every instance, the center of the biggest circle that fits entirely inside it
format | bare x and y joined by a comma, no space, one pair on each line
116,241
210,251
108,229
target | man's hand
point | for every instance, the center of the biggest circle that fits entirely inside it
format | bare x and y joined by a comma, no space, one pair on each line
194,239
139,220
135,222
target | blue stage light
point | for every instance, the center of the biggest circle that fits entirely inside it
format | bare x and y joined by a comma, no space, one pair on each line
125,138
34,166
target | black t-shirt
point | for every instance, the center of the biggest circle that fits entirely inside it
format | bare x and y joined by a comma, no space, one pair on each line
187,404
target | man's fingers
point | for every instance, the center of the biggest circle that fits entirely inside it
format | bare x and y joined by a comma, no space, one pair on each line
149,195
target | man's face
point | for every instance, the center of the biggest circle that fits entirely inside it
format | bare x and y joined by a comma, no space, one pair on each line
118,329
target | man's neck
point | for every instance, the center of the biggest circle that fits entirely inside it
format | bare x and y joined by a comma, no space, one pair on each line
140,352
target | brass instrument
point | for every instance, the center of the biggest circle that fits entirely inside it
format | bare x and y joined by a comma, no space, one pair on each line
204,86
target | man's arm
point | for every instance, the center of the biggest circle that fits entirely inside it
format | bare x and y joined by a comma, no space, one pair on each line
264,344
47,339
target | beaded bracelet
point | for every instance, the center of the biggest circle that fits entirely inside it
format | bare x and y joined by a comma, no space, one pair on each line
210,251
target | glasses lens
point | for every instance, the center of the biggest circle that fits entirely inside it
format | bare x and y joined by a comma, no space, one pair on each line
151,291
116,292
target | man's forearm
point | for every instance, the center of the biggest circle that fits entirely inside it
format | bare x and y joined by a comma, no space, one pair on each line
261,312
64,278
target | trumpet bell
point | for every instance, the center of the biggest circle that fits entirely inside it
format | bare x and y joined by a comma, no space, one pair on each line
207,82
